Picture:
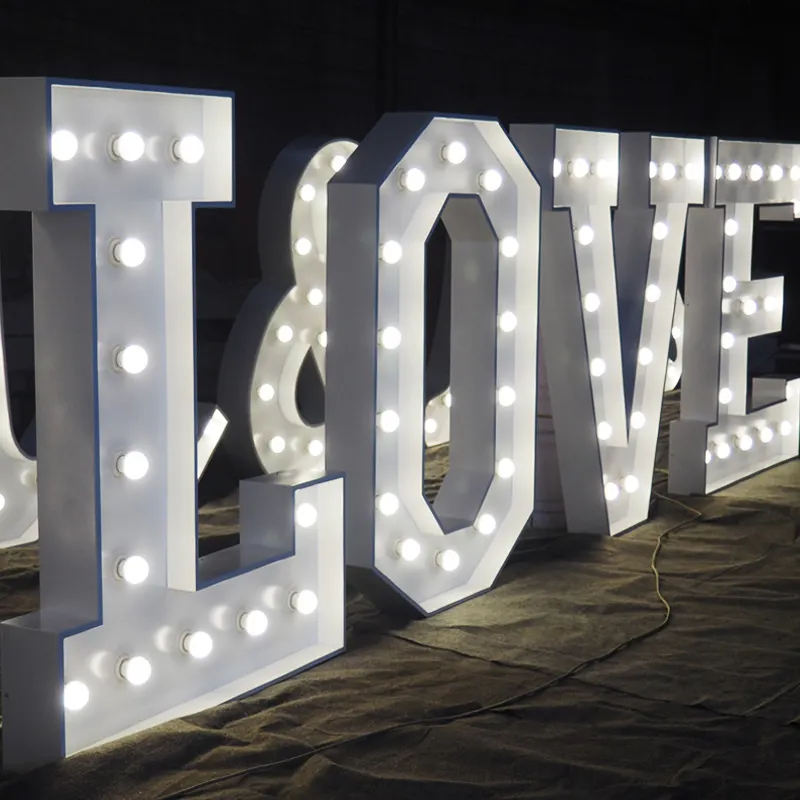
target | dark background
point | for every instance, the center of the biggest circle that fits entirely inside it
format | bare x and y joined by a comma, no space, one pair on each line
302,67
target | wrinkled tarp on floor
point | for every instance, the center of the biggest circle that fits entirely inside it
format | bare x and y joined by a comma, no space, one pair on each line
708,707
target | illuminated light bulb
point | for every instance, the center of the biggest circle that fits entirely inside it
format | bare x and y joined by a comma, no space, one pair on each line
133,570
727,340
794,173
630,484
337,162
63,145
723,450
389,338
785,428
135,670
660,231
491,180
708,456
505,468
315,296
653,169
506,396
693,172
718,172
604,168
591,302
322,339
454,153
604,431
388,421
744,442
412,179
198,644
673,372
128,147
585,235
731,227
305,515
557,167
391,252
388,504
277,444
637,420
254,623
315,448
448,560
507,321
579,168
133,465
645,356
597,367
307,192
652,293
748,306
408,549
304,602
509,246
431,425
448,400
76,695
729,284
131,359
725,396
676,332
129,252
189,149
770,303
302,246
486,524
775,172
755,172
668,171
766,435
733,172
3,499
611,491
265,392
284,334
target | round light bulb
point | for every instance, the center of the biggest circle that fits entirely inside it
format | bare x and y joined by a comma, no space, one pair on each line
597,367
660,231
725,396
506,396
729,284
133,569
637,420
412,179
653,169
128,147
770,303
557,167
584,235
604,431
731,227
337,162
307,192
794,173
284,334
135,670
198,644
507,321
486,524
454,153
745,442
604,168
709,457
733,172
448,560
322,339
254,623
748,306
611,491
723,450
652,293
630,484
388,504
277,444
131,359
431,425
591,302
129,252
189,149
63,145
304,602
509,246
766,435
389,338
133,465
775,172
388,421
302,246
692,171
755,172
579,168
727,340
645,356
491,180
505,468
315,296
785,428
408,549
76,695
3,497
668,171
676,332
305,515
265,392
391,252
315,448
448,400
